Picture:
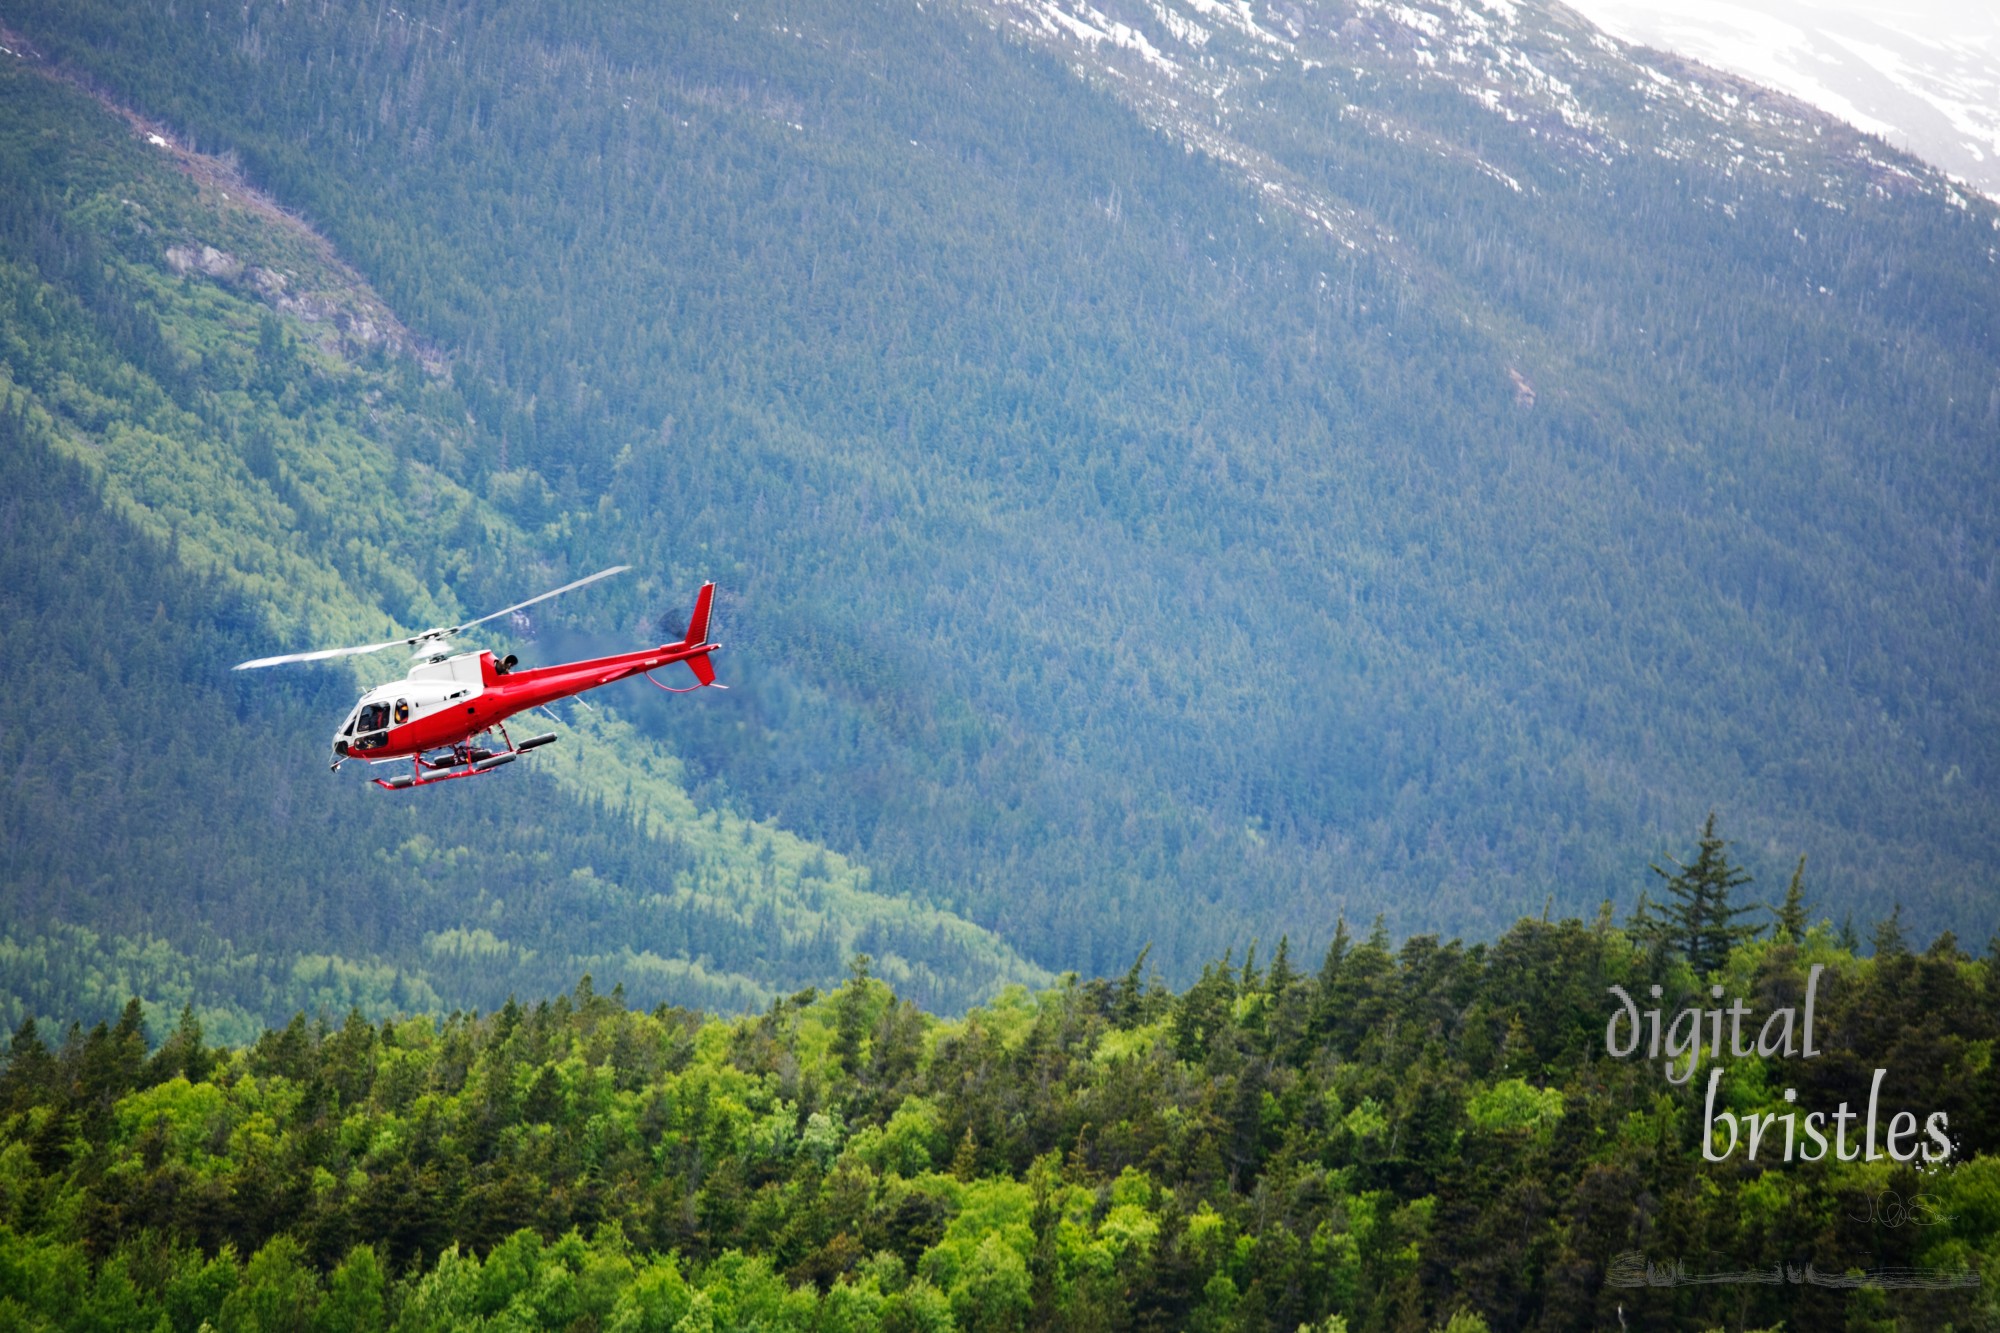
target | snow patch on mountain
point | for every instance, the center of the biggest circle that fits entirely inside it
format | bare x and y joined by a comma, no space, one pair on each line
1924,75
1198,70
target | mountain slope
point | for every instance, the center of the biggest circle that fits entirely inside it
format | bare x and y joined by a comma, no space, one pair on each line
194,468
1404,458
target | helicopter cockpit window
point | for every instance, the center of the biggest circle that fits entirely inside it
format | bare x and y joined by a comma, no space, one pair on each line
373,717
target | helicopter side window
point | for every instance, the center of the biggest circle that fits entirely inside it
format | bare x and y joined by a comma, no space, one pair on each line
374,717
402,711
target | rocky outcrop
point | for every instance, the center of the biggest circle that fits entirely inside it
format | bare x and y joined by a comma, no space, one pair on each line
352,318
185,259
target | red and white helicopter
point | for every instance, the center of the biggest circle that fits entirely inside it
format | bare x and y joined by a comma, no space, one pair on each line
449,701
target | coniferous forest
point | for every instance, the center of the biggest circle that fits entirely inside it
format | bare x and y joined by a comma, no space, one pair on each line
1431,1136
1180,476
1108,555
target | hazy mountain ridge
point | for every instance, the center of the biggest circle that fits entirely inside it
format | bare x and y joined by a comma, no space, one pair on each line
1923,78
1119,560
1195,68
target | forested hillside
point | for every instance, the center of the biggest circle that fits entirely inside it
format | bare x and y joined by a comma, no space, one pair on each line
1414,1139
1398,494
185,472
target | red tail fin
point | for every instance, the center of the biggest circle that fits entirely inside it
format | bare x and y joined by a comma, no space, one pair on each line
704,670
698,623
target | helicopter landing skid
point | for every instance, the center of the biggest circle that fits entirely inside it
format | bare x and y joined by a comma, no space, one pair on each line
463,761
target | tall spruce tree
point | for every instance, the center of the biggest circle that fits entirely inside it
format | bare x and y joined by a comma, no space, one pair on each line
1647,925
1697,917
1792,915
1888,938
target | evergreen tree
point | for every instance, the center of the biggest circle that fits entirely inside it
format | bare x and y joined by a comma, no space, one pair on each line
1792,916
1888,938
182,1054
1323,1015
965,1162
1647,926
1128,1009
1697,917
851,1014
31,1069
1282,977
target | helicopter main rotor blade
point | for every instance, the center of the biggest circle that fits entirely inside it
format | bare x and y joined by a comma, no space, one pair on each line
567,587
322,654
428,635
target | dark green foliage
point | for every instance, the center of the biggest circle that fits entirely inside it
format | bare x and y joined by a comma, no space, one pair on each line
579,1164
1791,923
1698,918
1888,938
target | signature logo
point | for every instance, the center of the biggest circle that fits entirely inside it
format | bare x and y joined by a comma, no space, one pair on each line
1634,1269
1889,1209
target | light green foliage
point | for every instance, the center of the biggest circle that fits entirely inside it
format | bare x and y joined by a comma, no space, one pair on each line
853,1307
1514,1104
1366,1121
444,1298
354,1295
990,1293
919,1308
1464,1321
908,1144
987,1209
278,1291
1129,1228
821,1137
1128,1043
747,1294
177,1118
655,1301
198,1287
1205,1233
